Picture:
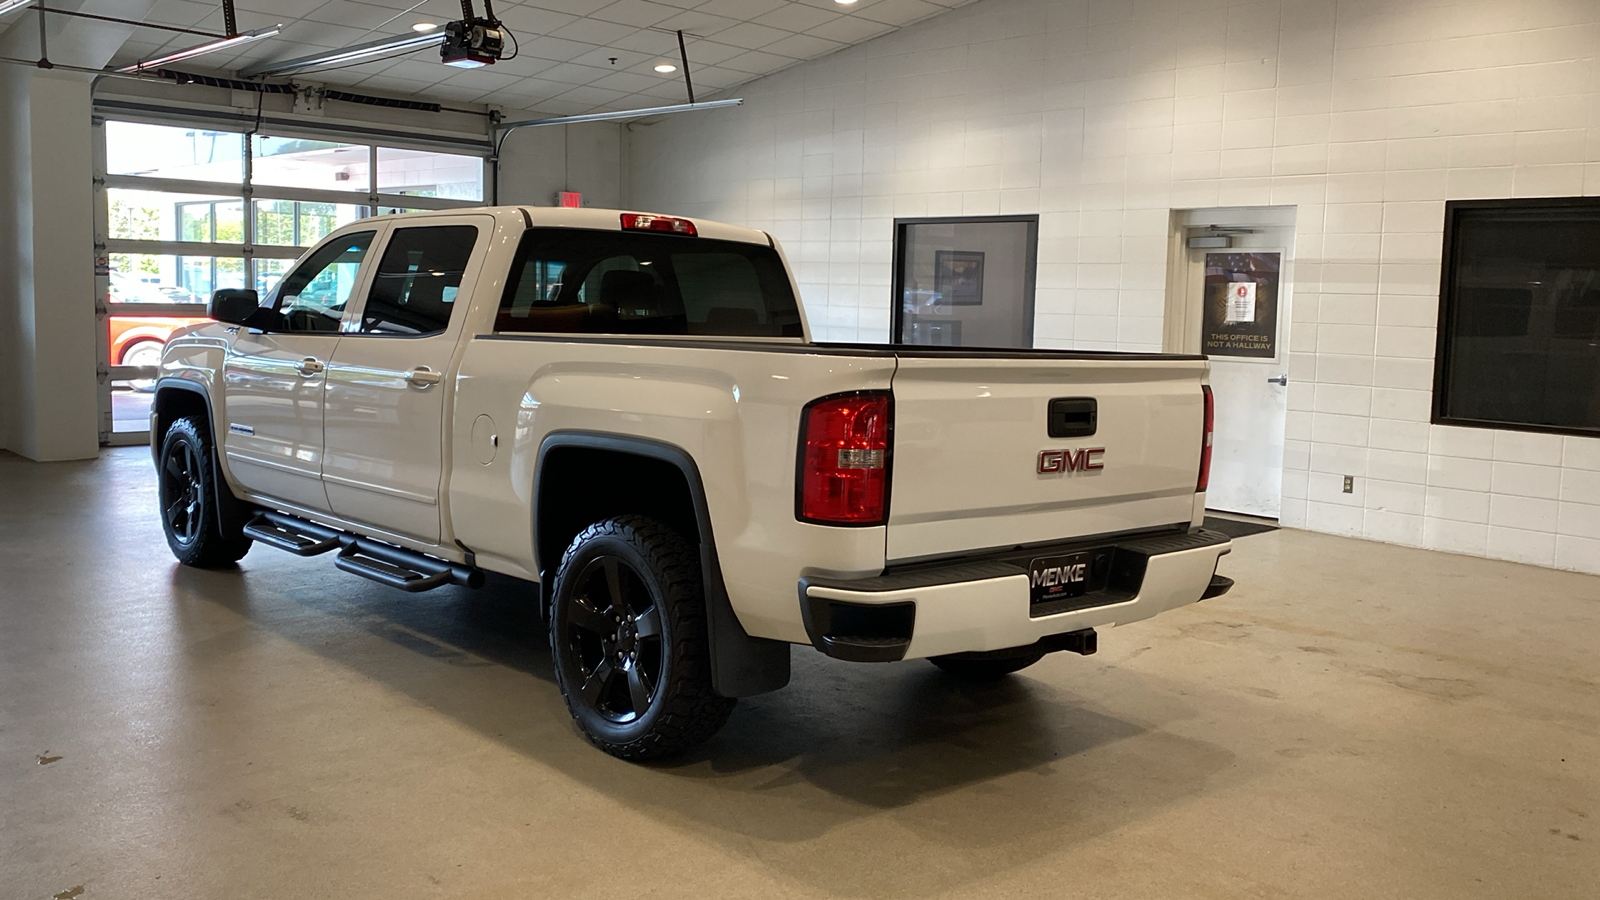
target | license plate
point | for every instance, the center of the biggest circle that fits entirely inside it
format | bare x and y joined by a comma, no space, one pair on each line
1052,578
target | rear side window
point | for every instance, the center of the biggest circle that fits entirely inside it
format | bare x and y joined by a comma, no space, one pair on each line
414,290
575,281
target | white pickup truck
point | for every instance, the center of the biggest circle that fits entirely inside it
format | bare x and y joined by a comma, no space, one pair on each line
625,411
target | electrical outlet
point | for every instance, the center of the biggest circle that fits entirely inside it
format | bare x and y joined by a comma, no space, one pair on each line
1349,484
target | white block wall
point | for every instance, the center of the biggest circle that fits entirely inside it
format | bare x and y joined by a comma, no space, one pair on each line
1103,115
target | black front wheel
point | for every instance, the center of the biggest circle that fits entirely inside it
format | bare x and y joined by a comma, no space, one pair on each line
628,634
186,473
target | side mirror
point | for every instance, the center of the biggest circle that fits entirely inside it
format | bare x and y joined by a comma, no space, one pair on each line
233,305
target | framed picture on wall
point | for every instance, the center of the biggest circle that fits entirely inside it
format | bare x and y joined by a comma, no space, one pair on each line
958,276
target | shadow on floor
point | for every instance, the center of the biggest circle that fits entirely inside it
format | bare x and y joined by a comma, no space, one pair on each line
842,743
803,781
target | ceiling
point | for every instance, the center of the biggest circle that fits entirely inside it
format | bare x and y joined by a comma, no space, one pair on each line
567,46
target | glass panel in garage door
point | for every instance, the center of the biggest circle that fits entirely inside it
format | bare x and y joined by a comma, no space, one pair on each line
175,152
428,173
166,216
297,223
310,165
149,296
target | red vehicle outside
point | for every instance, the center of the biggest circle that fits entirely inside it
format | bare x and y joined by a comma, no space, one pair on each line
137,340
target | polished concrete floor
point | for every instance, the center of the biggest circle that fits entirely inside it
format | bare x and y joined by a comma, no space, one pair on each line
1354,720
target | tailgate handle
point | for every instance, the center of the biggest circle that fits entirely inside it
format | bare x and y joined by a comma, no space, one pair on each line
1072,417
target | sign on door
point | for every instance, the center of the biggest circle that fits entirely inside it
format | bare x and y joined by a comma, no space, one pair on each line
1241,305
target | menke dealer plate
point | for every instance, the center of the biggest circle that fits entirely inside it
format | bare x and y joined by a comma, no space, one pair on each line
1052,578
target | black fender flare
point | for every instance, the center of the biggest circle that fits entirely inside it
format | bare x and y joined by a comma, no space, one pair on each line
232,513
741,665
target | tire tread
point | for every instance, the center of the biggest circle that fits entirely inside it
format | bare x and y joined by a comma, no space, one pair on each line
692,710
211,549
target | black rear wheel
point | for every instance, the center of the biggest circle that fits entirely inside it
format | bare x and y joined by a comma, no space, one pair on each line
187,491
628,634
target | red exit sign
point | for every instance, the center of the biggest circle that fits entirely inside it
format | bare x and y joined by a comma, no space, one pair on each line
569,199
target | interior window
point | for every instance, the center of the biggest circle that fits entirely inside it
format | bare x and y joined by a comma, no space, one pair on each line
313,296
602,282
414,290
1520,323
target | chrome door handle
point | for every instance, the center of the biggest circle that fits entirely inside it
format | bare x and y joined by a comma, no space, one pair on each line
309,367
1281,380
422,377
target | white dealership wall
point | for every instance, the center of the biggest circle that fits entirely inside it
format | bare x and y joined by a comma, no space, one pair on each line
1103,116
536,163
47,342
48,391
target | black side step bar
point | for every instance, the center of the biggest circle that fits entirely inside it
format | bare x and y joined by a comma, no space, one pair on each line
407,570
387,564
295,535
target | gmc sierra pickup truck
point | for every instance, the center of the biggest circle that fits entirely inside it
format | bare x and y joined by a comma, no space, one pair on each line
625,411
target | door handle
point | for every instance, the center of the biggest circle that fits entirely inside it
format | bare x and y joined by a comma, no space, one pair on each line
422,377
1281,380
309,367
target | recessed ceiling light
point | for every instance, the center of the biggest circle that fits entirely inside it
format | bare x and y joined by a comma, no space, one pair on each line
423,27
664,68
845,2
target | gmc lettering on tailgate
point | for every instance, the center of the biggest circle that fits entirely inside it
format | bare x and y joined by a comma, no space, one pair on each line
1080,460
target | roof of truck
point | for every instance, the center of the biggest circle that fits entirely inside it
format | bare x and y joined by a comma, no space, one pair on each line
597,219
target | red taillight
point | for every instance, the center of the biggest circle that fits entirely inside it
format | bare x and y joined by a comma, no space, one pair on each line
642,222
1205,441
844,460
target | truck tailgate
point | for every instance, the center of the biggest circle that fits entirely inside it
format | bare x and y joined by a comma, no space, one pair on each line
968,438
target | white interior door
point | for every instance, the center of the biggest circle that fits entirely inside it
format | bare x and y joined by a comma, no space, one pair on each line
1247,445
1248,376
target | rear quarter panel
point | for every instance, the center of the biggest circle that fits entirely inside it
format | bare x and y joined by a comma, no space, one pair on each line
735,409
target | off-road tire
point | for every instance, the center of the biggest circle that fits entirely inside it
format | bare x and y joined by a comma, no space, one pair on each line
187,491
684,709
977,668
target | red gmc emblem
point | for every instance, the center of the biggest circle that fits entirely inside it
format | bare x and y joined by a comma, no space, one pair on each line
1080,460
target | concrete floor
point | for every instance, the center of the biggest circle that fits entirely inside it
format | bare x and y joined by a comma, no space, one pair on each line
1354,720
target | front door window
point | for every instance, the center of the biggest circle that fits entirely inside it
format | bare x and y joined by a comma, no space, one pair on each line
313,296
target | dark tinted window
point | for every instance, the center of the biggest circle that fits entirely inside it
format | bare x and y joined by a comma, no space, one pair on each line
415,287
1520,316
313,296
607,282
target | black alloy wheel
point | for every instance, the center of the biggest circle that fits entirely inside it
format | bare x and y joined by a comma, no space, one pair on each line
629,641
182,495
614,632
187,493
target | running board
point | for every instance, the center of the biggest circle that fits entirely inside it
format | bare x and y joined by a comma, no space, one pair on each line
297,536
386,564
404,569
